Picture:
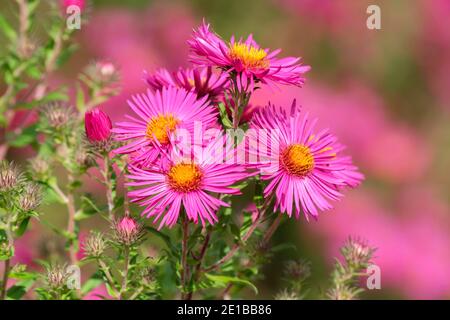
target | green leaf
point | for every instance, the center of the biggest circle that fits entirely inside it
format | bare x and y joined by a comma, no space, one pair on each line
27,136
23,227
222,281
18,290
224,116
7,29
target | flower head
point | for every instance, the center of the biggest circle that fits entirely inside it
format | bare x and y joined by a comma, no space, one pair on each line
246,58
95,245
305,168
188,184
127,231
30,197
202,81
58,114
97,125
159,115
10,176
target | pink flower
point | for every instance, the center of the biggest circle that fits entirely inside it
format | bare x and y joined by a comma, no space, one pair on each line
79,3
98,125
190,185
127,231
159,115
245,58
202,81
305,169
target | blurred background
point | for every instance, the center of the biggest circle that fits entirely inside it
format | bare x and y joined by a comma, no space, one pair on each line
385,93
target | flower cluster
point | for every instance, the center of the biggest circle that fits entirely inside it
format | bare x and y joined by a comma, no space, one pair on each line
188,110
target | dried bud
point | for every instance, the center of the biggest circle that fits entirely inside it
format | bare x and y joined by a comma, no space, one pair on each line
287,295
30,197
95,245
57,114
10,176
357,253
57,277
39,168
127,231
98,126
298,270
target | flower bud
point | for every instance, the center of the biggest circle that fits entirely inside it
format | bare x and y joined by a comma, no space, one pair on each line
342,293
10,176
95,245
39,169
297,270
30,197
357,253
127,231
98,126
287,295
57,114
57,277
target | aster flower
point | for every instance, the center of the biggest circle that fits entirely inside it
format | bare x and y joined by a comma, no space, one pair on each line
159,114
246,58
187,184
305,169
203,81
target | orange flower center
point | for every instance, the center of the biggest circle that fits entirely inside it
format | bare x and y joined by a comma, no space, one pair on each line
249,56
185,177
297,160
160,127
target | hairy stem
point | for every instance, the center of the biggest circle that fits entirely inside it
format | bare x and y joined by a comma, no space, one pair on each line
109,187
123,288
71,222
104,268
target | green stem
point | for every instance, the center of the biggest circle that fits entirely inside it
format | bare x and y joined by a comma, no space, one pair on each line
184,254
123,288
109,187
7,268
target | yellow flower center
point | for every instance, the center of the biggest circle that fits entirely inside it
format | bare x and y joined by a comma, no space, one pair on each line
249,56
185,177
297,160
160,127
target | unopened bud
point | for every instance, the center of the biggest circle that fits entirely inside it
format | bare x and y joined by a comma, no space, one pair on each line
30,197
57,114
95,245
10,176
357,253
98,126
127,231
57,277
298,270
